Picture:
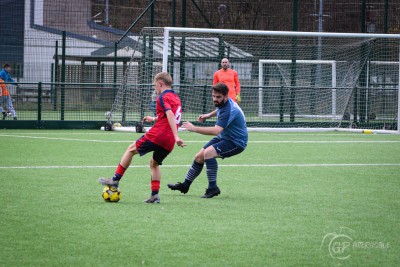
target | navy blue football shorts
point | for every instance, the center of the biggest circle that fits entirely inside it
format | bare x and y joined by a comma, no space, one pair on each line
225,148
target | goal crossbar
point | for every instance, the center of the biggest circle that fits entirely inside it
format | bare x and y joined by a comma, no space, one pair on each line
168,30
297,80
281,33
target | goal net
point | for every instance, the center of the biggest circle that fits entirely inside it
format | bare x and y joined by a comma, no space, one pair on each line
276,73
288,80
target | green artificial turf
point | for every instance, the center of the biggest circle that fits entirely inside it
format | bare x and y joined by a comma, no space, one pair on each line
280,198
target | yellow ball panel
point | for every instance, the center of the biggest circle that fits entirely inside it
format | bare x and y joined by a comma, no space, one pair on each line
115,197
111,194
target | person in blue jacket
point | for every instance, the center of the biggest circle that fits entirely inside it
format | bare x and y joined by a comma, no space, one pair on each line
5,74
6,77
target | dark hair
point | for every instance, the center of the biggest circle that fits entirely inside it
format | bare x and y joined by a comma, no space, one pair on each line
221,88
6,65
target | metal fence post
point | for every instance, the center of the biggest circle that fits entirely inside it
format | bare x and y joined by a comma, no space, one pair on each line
205,99
171,58
281,104
362,104
355,104
293,66
385,17
115,61
398,101
52,80
55,77
64,39
39,105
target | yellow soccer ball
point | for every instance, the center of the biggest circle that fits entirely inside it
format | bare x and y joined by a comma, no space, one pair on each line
111,194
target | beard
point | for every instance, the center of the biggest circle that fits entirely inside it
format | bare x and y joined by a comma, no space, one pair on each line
219,104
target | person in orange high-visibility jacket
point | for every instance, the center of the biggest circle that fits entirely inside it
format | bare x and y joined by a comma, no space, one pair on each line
5,95
229,77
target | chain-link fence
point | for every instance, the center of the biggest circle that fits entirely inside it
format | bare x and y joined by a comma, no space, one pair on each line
78,51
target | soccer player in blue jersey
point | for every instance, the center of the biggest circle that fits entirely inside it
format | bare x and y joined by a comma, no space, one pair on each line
231,139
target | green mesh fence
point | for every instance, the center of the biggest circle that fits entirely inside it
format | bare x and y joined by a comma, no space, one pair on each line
88,64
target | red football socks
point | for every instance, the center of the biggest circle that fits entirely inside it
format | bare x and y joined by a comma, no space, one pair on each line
155,187
119,172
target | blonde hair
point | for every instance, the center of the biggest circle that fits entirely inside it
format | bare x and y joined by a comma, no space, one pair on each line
164,77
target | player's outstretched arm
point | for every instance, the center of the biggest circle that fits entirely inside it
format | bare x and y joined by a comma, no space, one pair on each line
216,130
203,117
172,123
149,119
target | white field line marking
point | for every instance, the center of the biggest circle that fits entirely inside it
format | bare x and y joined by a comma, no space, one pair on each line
205,141
323,141
64,133
221,165
63,139
123,133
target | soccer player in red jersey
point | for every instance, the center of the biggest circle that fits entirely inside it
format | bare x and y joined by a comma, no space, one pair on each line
229,77
160,139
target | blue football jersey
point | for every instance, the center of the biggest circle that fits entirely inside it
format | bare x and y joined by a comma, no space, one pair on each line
230,117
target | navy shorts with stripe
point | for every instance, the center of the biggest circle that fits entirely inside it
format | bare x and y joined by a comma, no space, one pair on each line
144,146
225,148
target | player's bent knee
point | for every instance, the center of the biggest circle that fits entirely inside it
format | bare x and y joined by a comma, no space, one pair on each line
153,164
199,157
210,152
132,149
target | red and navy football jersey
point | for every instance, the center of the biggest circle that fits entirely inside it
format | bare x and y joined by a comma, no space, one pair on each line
161,133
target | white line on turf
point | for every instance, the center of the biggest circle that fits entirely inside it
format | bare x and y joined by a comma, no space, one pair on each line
72,132
222,165
255,142
102,133
325,141
63,139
